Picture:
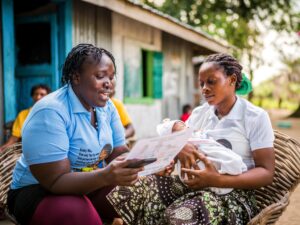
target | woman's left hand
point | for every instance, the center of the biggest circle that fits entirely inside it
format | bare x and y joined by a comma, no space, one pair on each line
202,178
168,170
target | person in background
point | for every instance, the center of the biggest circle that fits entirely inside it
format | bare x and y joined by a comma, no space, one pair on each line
124,116
186,112
37,93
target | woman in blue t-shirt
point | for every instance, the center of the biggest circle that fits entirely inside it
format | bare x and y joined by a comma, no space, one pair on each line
67,136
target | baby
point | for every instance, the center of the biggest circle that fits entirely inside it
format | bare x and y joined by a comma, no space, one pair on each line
224,159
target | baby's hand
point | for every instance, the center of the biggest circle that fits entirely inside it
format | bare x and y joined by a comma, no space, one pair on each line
168,170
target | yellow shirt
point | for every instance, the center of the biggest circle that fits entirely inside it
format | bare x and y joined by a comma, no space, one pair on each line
125,119
18,124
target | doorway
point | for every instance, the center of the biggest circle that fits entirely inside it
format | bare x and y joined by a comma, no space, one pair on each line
37,35
36,55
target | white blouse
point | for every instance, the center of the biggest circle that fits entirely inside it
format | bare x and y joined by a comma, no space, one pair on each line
246,128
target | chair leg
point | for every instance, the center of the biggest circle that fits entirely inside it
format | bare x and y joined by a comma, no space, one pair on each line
10,217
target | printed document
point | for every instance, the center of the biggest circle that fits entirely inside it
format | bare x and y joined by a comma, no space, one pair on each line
164,148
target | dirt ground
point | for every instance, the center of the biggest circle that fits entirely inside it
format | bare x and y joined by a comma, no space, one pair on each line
292,215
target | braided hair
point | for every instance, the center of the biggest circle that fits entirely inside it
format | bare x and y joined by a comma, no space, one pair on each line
229,65
78,55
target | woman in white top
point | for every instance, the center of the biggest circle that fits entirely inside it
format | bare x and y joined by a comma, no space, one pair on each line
230,120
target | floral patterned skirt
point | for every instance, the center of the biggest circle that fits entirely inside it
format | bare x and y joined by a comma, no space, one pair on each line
166,200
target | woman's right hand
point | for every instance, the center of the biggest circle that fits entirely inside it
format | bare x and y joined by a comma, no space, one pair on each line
187,157
202,178
116,173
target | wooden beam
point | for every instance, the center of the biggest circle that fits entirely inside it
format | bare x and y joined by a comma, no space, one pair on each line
160,22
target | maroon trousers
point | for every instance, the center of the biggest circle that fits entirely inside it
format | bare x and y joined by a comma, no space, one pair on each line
35,206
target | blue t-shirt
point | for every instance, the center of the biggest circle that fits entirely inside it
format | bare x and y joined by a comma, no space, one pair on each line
59,127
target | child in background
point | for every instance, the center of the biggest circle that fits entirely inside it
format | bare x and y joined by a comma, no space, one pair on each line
224,159
186,112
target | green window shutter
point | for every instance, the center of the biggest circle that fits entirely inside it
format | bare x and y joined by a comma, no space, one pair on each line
149,73
157,74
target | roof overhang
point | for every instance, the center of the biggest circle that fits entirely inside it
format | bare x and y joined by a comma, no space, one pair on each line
162,22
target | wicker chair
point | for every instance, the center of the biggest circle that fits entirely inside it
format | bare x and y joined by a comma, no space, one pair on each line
272,200
8,159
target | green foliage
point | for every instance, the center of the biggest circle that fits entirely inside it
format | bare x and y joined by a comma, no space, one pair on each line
265,89
233,20
277,92
237,22
271,103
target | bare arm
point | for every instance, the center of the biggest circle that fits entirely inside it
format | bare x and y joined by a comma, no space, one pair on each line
58,178
259,176
118,151
129,130
10,141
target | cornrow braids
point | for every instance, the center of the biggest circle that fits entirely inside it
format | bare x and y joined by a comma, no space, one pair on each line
229,64
78,55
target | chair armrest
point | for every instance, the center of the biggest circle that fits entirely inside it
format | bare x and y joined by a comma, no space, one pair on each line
271,213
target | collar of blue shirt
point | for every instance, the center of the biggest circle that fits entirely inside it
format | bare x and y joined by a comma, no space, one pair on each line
76,105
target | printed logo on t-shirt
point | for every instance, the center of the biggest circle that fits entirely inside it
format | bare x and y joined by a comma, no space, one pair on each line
86,157
225,143
107,149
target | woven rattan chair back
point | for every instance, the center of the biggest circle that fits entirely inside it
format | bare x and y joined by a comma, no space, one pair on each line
8,159
272,200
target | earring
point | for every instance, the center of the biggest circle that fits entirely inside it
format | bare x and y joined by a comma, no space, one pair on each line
232,84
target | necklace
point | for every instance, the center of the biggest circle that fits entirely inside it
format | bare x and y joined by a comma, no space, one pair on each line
95,118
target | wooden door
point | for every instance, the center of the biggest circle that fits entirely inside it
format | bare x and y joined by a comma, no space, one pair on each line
36,55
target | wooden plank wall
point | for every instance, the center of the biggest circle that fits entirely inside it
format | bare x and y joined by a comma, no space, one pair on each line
178,75
131,29
129,37
91,24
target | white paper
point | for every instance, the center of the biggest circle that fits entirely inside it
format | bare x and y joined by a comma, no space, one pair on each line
164,148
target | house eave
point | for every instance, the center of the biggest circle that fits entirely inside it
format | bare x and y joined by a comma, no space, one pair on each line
162,22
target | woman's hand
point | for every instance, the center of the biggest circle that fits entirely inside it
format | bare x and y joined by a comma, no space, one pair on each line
187,157
116,173
168,170
257,177
117,152
198,178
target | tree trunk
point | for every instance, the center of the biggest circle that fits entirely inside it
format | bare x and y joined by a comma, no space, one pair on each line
279,102
251,94
296,113
260,102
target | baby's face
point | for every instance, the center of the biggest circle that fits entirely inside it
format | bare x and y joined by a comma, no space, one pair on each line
178,126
